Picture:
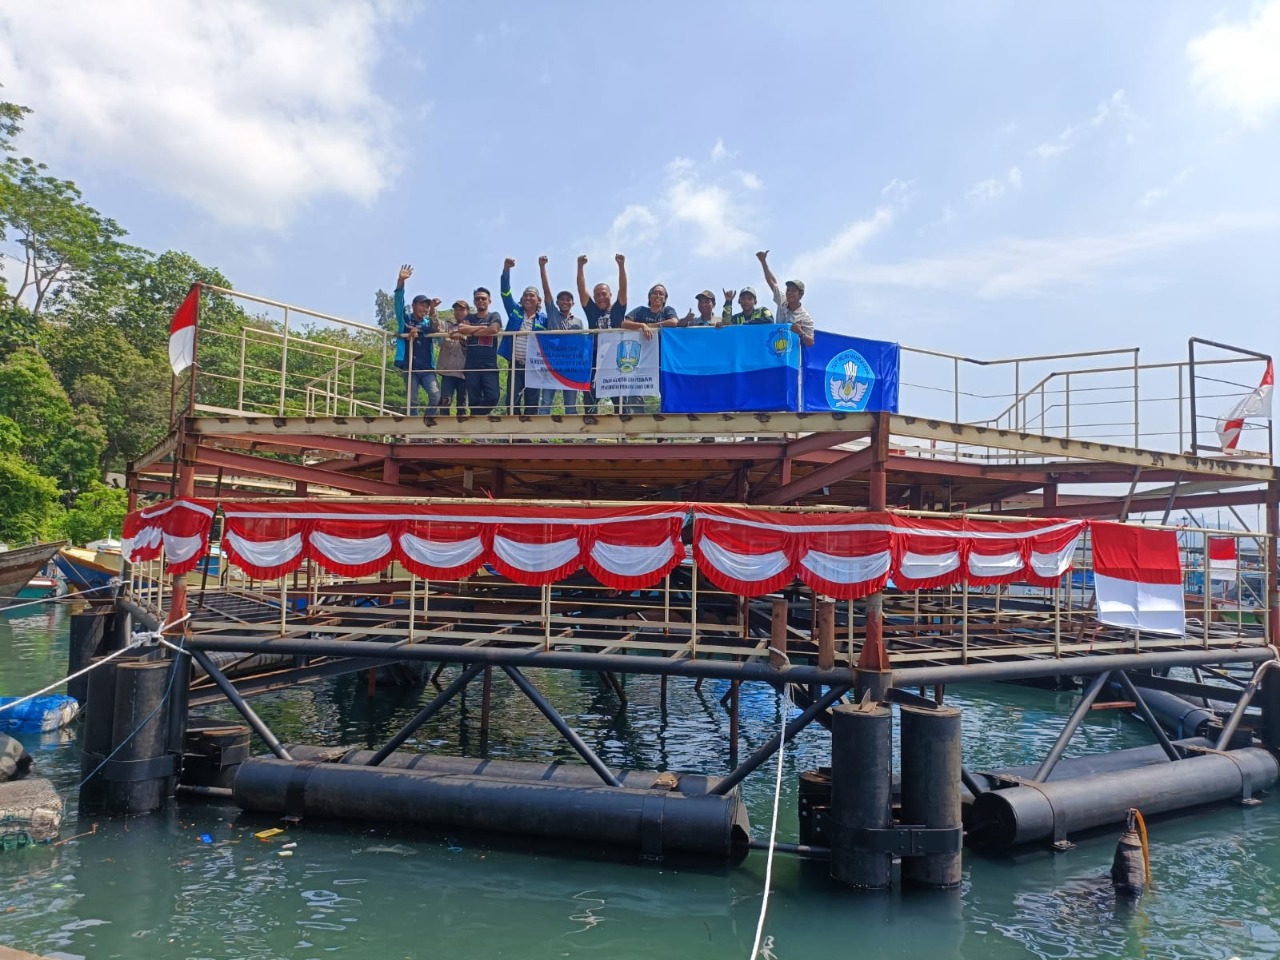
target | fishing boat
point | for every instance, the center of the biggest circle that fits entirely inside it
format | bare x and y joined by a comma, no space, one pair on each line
19,566
89,568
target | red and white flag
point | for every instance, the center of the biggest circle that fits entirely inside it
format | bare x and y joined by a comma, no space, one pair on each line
1222,558
1137,577
1256,404
182,332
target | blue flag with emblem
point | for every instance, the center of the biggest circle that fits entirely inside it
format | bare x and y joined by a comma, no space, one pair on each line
850,375
710,370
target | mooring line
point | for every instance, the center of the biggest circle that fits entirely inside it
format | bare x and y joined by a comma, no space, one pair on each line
54,598
773,830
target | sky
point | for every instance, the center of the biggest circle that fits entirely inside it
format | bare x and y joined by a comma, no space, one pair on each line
984,178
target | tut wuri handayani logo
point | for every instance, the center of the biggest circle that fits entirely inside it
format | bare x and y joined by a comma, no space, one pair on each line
627,356
849,381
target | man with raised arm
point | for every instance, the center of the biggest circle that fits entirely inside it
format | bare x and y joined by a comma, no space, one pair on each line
705,317
561,317
525,317
750,312
413,347
601,311
482,330
790,310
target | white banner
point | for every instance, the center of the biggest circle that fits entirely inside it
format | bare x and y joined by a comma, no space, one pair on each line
626,364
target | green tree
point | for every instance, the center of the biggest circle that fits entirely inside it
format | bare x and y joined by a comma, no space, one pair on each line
96,513
29,504
384,311
58,439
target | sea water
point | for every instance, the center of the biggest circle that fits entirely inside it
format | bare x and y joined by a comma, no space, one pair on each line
195,882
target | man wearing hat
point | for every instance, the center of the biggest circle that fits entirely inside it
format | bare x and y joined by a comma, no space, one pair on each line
452,362
790,310
705,317
413,347
750,312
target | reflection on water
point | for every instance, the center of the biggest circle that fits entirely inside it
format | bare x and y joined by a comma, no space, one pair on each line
151,887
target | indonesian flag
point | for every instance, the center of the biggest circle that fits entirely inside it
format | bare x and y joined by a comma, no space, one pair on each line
182,332
1138,578
1256,404
1222,558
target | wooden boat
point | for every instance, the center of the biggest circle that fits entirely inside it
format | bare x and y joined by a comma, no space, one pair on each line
18,566
86,569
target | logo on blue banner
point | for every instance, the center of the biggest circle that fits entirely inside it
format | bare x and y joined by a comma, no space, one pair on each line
779,342
628,356
849,381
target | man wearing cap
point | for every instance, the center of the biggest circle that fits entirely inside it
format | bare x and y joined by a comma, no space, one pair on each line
482,330
525,317
705,317
451,364
413,347
750,312
790,310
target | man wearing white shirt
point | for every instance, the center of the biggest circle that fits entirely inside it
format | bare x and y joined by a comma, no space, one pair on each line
790,310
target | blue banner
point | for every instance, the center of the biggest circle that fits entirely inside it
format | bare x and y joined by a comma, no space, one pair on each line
727,369
559,361
850,375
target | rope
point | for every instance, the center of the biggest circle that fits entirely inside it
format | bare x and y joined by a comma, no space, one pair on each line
55,598
138,640
773,830
1146,850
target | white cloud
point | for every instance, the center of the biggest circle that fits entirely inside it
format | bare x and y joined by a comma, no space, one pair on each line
986,190
718,152
707,212
1237,66
247,109
1023,267
899,190
844,250
1154,195
1114,109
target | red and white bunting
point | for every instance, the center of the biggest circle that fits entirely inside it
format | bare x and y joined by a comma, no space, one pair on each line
1138,578
745,552
179,528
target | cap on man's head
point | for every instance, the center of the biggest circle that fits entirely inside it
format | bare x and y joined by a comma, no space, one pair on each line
748,291
705,295
798,284
463,304
420,298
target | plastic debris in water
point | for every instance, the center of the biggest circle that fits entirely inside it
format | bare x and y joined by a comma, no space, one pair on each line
206,838
268,834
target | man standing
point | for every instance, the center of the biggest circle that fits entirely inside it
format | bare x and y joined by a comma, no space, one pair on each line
790,310
705,317
413,347
526,316
451,364
482,330
561,318
750,312
601,311
649,319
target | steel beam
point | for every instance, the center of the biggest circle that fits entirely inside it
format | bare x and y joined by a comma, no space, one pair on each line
1139,504
243,463
557,721
856,462
228,688
1073,723
427,712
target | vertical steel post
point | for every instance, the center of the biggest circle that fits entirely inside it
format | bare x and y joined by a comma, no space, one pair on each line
284,360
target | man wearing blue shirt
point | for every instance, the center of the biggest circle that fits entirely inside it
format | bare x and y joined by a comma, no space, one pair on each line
414,347
649,319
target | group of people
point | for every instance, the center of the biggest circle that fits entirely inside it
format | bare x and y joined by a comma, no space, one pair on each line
463,372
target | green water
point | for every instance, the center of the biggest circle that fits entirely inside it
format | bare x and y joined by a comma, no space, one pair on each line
149,887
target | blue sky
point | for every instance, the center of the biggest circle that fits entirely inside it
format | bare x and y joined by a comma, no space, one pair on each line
979,177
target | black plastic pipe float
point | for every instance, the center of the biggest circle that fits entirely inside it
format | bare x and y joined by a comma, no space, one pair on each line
1031,813
98,735
1177,715
564,774
861,794
88,633
930,748
651,822
132,762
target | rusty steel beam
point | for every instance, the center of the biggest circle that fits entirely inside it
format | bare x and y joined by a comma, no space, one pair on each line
857,462
822,441
1098,509
244,463
560,452
352,445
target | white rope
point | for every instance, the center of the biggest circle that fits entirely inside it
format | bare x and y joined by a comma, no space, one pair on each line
138,640
773,830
